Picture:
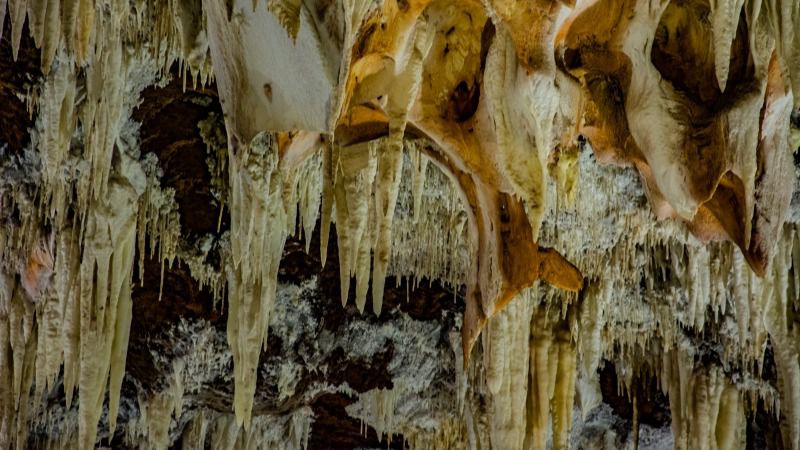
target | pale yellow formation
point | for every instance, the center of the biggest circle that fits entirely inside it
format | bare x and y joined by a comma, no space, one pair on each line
104,294
84,324
429,237
506,353
380,405
524,134
258,232
780,295
707,409
329,105
78,279
17,358
287,432
448,435
150,431
158,220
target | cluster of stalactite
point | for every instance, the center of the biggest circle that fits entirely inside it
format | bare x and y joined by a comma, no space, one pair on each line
324,104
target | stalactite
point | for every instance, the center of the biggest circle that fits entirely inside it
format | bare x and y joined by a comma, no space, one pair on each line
158,219
356,167
430,238
506,347
520,128
401,95
194,436
17,354
289,432
781,298
725,19
57,115
104,287
379,404
552,383
333,111
447,436
590,347
258,231
151,429
706,409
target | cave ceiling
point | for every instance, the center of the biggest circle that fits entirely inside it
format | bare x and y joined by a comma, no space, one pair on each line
408,224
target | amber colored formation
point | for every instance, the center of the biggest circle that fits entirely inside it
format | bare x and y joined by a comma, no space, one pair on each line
685,117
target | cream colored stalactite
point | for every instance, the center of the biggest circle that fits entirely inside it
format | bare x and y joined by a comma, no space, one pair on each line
676,369
119,352
749,312
44,19
590,346
67,277
53,24
782,296
35,278
659,138
387,185
697,292
542,371
287,432
461,373
419,166
378,409
707,409
354,13
308,191
401,94
506,347
105,297
194,435
783,17
102,110
564,162
189,21
449,435
359,223
355,168
151,429
49,353
258,232
724,22
18,342
158,220
17,10
563,397
68,263
429,240
57,113
326,202
551,392
523,107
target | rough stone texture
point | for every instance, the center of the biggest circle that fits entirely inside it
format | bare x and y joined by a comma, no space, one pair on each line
16,78
168,118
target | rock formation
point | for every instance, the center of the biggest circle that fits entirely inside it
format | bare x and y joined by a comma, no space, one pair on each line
591,212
